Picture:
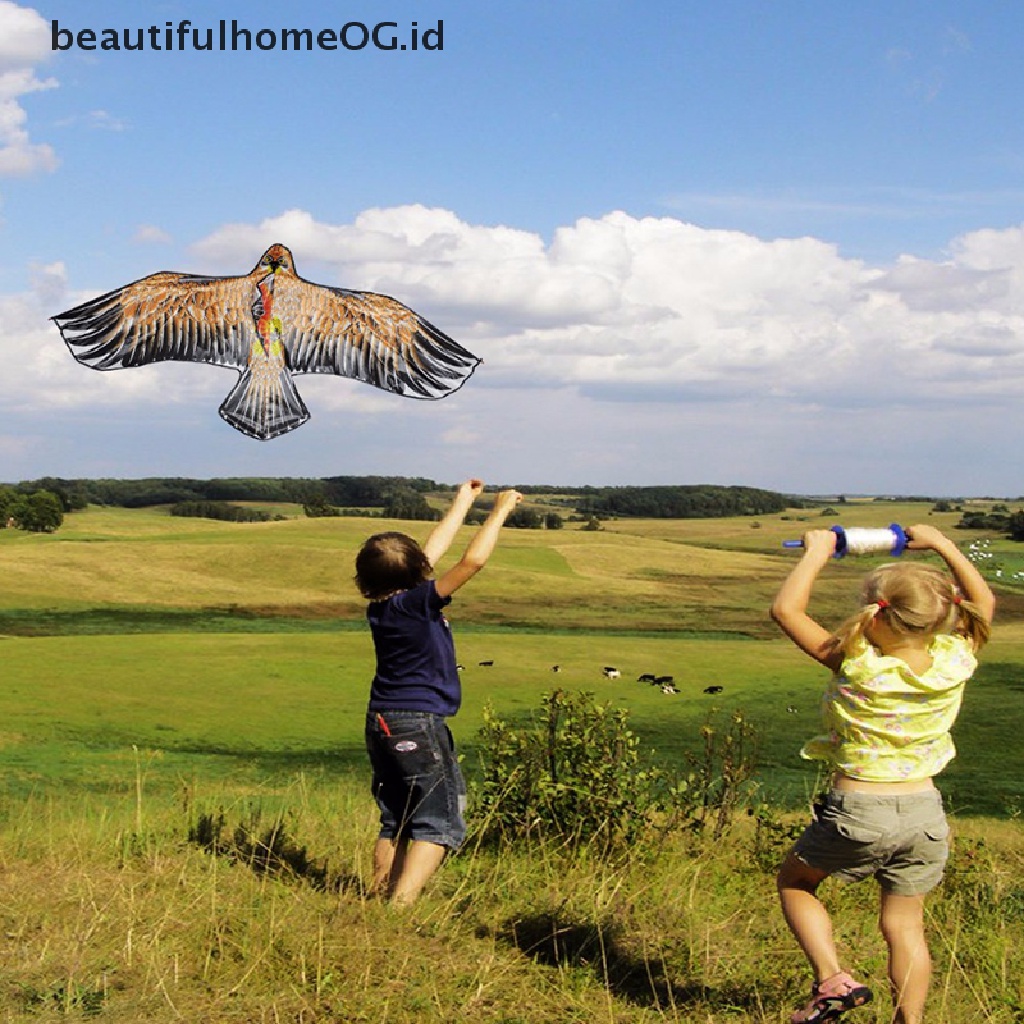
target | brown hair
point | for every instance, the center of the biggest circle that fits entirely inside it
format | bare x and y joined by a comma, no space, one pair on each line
389,562
915,599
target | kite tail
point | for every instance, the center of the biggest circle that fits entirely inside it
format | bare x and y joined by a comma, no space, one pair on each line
264,403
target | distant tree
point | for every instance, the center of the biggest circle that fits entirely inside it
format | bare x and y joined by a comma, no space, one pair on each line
318,508
525,519
7,499
592,525
553,521
1016,526
942,506
829,511
408,504
39,512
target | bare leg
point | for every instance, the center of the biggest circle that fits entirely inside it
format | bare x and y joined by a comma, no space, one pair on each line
388,857
910,965
806,916
421,859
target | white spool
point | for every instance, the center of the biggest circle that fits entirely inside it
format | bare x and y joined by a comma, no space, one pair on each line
862,541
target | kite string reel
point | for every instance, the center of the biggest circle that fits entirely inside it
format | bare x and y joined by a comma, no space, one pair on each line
859,540
864,541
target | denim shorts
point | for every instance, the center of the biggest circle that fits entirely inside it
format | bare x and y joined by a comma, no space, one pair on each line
417,782
902,841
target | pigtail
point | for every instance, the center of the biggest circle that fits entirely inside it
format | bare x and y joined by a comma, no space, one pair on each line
851,633
971,623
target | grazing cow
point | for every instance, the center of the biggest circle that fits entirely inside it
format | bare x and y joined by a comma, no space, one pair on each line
556,668
460,668
791,709
647,677
663,680
712,689
611,673
486,664
669,688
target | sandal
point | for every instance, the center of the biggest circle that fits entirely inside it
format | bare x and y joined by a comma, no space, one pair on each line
831,998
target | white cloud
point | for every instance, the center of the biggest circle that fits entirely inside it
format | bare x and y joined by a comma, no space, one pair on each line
620,304
24,42
649,348
150,234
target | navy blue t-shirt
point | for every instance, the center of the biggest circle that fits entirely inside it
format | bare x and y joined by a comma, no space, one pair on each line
416,668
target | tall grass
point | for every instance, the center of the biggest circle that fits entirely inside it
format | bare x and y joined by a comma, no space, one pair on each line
110,912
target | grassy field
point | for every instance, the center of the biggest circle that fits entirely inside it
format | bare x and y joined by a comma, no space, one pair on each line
158,668
244,644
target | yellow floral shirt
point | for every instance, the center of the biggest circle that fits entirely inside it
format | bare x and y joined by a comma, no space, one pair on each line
886,724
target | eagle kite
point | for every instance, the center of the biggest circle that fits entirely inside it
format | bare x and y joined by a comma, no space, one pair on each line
269,325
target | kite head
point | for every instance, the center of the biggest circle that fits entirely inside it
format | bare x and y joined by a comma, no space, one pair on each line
278,257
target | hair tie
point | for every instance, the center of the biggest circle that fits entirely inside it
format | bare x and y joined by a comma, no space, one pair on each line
882,604
957,599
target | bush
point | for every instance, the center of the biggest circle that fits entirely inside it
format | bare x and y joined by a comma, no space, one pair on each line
573,773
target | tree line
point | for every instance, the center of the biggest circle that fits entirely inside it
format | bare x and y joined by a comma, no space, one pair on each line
409,495
999,519
696,501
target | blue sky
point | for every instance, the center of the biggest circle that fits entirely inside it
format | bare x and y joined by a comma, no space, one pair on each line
770,244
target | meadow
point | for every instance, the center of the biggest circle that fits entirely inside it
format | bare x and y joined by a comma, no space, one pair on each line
160,670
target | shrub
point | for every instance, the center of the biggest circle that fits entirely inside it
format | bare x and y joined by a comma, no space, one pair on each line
573,773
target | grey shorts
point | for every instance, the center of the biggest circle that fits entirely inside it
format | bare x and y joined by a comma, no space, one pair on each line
902,841
417,782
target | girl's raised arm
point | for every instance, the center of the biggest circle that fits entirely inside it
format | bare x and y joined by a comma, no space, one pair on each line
789,609
971,583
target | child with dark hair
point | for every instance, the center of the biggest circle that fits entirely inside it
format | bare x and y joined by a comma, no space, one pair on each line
416,777
900,665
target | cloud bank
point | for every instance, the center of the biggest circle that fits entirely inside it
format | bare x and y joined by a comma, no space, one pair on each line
622,349
659,309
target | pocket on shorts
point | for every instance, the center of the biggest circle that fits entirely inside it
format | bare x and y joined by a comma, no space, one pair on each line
856,832
413,749
849,826
938,832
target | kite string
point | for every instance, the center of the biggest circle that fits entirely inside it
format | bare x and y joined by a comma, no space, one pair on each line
862,541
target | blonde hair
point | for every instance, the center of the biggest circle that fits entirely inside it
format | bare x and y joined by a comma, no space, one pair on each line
915,600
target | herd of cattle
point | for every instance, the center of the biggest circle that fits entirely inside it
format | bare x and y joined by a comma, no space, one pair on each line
667,683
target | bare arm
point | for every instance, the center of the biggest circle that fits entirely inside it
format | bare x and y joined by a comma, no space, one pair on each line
480,547
971,583
442,535
789,609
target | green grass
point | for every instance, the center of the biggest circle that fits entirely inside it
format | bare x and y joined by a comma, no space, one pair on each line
111,914
267,705
244,645
159,669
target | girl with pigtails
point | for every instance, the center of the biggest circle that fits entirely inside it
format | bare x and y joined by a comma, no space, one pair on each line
899,668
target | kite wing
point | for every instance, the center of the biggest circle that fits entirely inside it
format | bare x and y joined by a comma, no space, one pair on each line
369,337
183,317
